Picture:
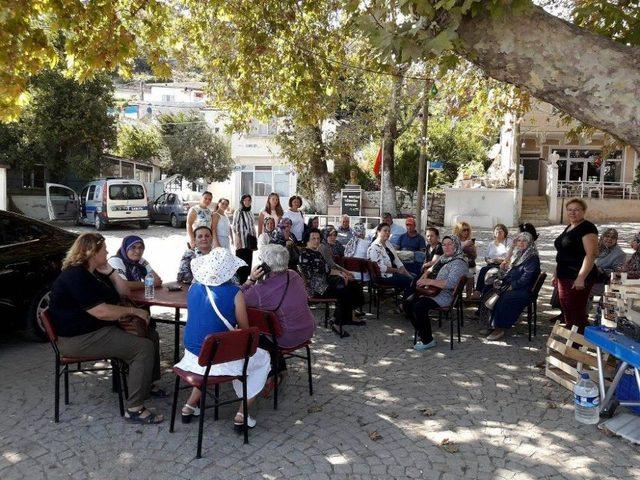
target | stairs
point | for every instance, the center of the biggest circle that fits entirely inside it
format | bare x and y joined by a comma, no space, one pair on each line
535,211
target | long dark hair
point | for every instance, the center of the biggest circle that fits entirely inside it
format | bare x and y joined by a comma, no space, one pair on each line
279,210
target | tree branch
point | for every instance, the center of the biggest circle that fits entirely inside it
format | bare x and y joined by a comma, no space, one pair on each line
409,120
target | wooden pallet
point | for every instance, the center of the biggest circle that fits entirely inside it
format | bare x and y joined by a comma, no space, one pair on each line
564,361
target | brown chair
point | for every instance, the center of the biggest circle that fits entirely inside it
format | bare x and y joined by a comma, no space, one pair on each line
267,322
218,348
445,312
62,363
532,307
360,267
379,289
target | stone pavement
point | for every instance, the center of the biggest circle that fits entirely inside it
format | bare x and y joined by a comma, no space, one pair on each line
379,410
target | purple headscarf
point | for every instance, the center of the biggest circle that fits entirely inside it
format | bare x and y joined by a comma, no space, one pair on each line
135,271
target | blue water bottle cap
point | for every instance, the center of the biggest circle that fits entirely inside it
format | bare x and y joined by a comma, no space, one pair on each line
584,375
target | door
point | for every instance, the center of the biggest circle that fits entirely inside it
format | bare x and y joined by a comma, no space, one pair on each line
169,206
531,163
156,207
62,202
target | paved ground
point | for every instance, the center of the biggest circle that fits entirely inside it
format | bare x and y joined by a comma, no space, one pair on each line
380,410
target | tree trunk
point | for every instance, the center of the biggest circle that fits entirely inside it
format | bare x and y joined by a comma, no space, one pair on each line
588,76
390,135
322,185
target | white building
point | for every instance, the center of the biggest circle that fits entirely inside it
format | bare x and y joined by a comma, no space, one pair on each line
259,166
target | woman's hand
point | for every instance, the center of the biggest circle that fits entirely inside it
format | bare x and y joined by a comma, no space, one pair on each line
578,283
141,313
504,265
423,282
256,274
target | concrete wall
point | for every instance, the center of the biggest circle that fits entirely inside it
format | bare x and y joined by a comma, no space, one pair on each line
481,207
605,210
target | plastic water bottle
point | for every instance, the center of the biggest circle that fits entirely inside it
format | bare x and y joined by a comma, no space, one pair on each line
586,399
149,289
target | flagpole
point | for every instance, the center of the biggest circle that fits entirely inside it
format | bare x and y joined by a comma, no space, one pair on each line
381,176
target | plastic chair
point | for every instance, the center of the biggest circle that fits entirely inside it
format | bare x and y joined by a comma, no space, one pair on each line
268,324
532,307
218,348
62,363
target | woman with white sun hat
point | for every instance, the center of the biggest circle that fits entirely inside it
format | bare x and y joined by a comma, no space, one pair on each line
215,304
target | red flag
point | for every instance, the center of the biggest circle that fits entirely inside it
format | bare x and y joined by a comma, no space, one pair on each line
378,162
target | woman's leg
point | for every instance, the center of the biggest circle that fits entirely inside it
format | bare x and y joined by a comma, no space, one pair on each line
152,334
257,373
574,303
421,320
481,274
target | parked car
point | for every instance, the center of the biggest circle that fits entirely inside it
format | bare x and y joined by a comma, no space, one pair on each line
31,254
101,203
173,208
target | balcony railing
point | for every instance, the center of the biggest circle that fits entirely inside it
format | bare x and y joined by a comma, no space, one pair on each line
591,189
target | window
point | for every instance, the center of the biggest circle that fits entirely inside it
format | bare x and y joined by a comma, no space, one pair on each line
34,178
531,167
171,198
246,183
168,98
14,231
143,173
126,192
281,184
111,168
262,184
92,192
127,169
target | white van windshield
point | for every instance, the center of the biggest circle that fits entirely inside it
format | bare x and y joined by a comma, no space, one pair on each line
126,192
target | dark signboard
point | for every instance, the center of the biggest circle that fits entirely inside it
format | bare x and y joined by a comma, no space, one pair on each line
351,202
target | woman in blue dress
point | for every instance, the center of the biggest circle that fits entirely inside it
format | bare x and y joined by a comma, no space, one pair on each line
217,305
522,273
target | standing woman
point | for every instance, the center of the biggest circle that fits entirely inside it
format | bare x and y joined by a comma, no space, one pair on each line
575,274
296,216
272,209
245,235
220,226
199,215
632,267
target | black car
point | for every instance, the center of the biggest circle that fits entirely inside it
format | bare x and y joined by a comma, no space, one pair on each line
31,254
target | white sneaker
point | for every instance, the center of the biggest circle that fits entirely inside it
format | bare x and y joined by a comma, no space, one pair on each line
419,346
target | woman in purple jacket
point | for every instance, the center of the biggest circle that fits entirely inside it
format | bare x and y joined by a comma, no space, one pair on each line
283,292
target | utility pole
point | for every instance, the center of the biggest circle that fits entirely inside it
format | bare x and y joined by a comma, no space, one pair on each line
423,155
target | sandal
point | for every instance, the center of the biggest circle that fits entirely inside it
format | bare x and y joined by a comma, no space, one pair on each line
136,417
239,426
191,412
157,392
336,330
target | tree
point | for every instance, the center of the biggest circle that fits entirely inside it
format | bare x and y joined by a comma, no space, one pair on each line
139,143
193,149
66,124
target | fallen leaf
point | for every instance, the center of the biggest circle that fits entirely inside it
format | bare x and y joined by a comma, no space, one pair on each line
449,446
393,414
427,412
552,405
314,409
375,436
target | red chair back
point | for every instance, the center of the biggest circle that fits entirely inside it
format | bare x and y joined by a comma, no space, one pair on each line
358,265
264,320
535,289
228,346
48,326
374,270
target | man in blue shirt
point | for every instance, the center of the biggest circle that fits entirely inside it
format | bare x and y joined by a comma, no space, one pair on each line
414,242
396,230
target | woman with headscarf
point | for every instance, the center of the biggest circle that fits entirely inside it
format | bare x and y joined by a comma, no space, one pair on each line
130,264
357,246
217,305
268,230
285,237
515,285
331,241
445,274
131,267
610,256
632,267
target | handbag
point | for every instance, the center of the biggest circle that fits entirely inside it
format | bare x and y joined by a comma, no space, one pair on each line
491,300
251,241
132,324
428,291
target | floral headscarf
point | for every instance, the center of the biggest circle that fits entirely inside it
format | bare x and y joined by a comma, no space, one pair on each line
522,255
134,270
359,231
603,250
458,253
633,265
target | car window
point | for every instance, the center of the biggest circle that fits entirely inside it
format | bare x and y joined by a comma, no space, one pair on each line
83,194
126,192
161,198
171,199
14,231
92,191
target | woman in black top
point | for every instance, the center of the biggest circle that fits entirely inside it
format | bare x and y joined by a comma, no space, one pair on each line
84,310
575,273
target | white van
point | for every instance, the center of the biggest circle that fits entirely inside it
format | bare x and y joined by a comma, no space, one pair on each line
101,203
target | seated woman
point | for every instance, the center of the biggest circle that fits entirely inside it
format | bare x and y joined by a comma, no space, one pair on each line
495,255
392,271
281,291
462,230
203,245
131,265
357,247
85,313
610,259
445,274
331,240
216,305
285,237
268,230
323,281
515,286
632,267
314,222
